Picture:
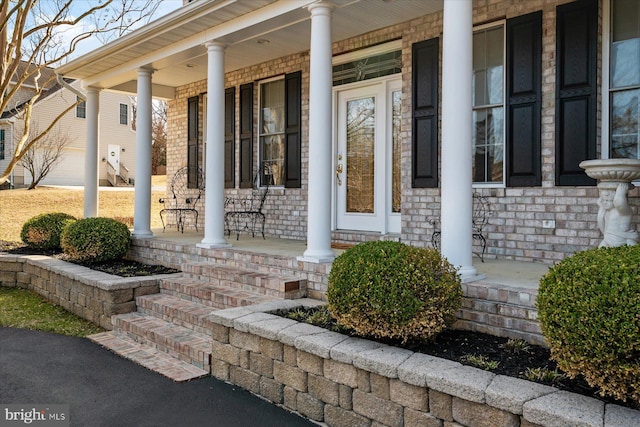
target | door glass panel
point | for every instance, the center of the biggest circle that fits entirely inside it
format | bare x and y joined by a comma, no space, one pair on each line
396,167
360,155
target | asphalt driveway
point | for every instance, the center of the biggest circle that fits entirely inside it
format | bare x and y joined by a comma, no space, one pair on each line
104,389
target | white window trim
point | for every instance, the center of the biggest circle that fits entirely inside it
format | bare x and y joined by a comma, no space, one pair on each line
605,114
259,133
503,184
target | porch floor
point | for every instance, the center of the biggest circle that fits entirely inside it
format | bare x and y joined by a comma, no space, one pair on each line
502,272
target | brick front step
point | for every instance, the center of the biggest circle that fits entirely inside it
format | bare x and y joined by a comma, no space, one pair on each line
177,341
178,311
279,286
506,311
212,295
149,357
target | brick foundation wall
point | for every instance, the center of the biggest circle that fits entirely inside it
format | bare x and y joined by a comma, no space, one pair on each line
346,382
90,294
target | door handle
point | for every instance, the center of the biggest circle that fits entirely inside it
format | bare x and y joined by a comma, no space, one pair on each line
338,172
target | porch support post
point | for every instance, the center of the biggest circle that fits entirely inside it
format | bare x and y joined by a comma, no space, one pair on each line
214,181
91,153
457,72
320,169
142,192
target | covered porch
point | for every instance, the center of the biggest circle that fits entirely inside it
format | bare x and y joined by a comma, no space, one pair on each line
206,42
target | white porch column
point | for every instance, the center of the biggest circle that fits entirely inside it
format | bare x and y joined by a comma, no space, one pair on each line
457,72
91,153
214,181
320,168
142,195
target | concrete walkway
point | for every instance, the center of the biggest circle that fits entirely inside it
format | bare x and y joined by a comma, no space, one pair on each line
104,389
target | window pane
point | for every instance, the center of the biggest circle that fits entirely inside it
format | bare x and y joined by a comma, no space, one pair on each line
488,58
272,107
272,159
625,124
625,63
488,145
625,47
396,129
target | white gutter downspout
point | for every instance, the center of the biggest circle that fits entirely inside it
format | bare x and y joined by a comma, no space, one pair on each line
60,80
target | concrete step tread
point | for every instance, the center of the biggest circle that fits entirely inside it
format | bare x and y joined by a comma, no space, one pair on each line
149,357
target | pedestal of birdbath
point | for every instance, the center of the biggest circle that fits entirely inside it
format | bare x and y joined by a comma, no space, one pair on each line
614,214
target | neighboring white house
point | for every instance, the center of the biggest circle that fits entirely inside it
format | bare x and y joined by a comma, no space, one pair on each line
117,146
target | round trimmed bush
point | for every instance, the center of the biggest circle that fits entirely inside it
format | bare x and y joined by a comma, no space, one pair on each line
390,290
589,310
43,231
96,239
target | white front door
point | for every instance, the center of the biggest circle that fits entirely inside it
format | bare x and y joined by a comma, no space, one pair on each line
114,157
368,157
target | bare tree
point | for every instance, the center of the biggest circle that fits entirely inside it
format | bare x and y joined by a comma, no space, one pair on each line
34,36
43,156
158,136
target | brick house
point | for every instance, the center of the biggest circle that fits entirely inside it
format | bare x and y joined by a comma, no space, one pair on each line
370,119
116,152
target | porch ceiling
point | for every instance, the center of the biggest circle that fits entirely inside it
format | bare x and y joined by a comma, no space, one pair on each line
174,45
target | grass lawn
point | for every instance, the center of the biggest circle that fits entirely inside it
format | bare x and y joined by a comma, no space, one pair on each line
21,308
17,206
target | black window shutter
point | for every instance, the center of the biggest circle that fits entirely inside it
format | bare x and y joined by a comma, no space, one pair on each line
424,154
229,137
524,100
576,72
246,135
292,170
192,142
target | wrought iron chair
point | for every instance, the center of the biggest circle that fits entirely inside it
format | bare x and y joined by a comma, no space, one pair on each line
184,200
480,218
245,213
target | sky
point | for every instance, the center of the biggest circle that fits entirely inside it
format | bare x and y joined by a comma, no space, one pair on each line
165,7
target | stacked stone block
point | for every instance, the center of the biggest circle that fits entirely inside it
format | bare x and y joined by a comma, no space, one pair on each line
343,381
90,294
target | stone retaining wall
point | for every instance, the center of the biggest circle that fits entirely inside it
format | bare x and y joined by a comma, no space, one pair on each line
347,382
90,294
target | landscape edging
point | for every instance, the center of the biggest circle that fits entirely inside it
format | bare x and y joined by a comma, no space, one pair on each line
90,294
344,381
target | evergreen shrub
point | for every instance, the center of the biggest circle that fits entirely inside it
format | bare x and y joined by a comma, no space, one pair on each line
391,290
96,239
589,310
43,231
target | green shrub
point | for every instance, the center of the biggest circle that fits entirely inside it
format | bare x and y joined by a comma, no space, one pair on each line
391,290
43,231
589,310
96,239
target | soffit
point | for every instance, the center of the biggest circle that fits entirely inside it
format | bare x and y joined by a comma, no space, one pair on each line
174,45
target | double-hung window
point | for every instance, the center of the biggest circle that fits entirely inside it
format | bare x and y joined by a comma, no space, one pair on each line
124,114
488,106
81,109
272,132
624,86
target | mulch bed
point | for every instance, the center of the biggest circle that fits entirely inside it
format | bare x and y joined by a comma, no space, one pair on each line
122,268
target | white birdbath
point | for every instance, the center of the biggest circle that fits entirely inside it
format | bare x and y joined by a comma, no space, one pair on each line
614,215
